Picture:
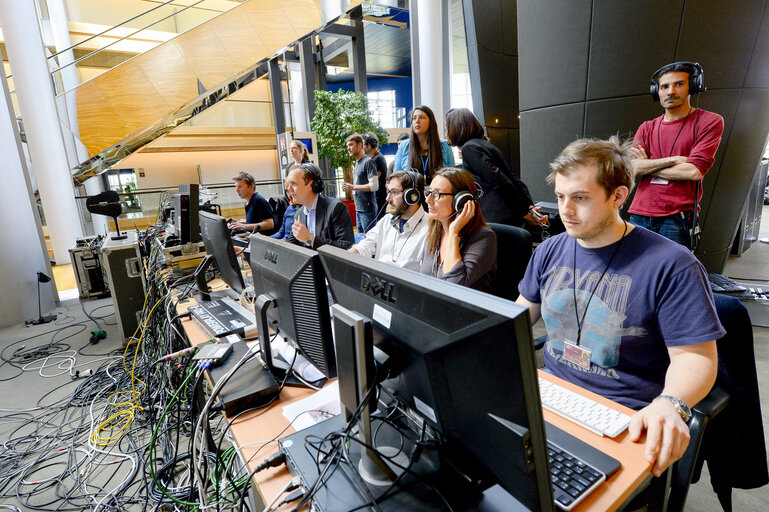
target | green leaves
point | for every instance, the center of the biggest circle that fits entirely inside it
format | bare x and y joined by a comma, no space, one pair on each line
337,116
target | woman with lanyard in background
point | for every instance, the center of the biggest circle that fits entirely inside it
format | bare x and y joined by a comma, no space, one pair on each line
423,151
460,248
505,199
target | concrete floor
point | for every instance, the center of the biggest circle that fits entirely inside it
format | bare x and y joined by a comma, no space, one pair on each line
23,389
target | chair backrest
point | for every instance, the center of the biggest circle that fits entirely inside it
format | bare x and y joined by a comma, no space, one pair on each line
278,205
736,397
514,247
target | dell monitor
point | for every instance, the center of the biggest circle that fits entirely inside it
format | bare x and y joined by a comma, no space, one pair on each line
218,244
292,300
461,360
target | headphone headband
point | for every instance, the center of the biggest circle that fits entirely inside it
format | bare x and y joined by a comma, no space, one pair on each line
317,184
696,77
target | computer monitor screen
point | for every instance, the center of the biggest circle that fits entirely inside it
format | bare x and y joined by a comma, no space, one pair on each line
217,241
461,359
307,143
291,278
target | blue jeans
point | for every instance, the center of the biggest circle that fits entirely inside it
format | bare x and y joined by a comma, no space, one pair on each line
365,220
676,227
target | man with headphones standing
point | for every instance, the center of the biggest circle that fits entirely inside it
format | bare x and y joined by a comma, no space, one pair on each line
399,237
320,220
672,154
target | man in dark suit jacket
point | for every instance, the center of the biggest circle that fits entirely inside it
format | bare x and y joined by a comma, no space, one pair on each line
319,219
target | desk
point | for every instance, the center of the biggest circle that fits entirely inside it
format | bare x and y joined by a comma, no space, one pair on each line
635,470
260,426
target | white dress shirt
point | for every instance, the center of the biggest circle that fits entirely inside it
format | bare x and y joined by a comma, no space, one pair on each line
387,243
310,215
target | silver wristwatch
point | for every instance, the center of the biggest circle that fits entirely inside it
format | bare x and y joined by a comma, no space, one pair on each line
681,408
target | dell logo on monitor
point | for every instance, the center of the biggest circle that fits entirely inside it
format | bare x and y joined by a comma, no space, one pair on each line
271,256
377,287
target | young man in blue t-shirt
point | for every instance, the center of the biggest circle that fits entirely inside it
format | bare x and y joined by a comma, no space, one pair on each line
629,314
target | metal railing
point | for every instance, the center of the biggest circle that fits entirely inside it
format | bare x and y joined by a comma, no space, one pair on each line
56,70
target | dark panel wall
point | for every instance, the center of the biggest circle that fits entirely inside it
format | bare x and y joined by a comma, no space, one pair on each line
584,70
492,52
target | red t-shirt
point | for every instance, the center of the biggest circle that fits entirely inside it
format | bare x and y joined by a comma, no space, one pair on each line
662,139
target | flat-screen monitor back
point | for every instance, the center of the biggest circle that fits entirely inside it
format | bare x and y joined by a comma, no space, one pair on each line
292,276
464,360
217,241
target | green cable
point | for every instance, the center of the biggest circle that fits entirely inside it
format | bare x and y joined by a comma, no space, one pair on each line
154,438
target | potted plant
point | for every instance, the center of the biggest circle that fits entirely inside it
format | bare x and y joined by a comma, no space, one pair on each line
337,116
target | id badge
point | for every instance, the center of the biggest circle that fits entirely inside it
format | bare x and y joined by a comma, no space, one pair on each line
659,181
576,354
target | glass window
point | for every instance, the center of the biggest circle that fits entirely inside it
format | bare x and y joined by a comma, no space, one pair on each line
384,110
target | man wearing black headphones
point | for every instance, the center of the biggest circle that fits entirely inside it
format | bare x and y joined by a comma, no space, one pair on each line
399,237
672,154
319,219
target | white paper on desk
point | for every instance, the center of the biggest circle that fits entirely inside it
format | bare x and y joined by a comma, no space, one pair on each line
317,407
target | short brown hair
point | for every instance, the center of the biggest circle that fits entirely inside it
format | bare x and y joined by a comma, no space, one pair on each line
356,138
371,139
310,171
244,176
461,126
405,181
612,159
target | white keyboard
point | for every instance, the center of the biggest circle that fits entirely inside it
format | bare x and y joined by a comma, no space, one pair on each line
592,415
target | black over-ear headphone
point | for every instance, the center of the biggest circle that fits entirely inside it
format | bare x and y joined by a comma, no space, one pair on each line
461,198
696,78
411,195
317,183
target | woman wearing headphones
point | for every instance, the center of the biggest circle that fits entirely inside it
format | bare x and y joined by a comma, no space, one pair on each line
460,247
506,199
424,150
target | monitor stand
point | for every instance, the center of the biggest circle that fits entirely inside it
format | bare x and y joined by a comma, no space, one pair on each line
261,306
345,488
354,343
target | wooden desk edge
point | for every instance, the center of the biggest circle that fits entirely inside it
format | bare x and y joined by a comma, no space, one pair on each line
635,468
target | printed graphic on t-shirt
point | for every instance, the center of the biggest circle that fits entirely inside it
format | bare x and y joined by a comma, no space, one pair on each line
602,329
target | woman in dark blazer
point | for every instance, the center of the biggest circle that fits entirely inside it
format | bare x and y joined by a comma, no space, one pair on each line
506,199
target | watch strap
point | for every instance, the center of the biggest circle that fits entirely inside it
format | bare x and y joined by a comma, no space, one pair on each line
681,407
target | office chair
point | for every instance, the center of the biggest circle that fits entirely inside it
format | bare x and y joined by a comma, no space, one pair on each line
279,204
514,246
733,445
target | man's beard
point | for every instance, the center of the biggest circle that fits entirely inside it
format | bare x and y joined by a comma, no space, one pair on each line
399,210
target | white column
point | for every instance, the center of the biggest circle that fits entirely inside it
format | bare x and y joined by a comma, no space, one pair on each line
22,251
330,9
298,101
94,186
433,72
26,55
69,78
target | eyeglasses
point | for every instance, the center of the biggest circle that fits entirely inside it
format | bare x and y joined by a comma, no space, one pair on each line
436,195
394,193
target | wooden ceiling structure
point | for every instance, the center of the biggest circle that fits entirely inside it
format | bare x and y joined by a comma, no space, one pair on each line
145,89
